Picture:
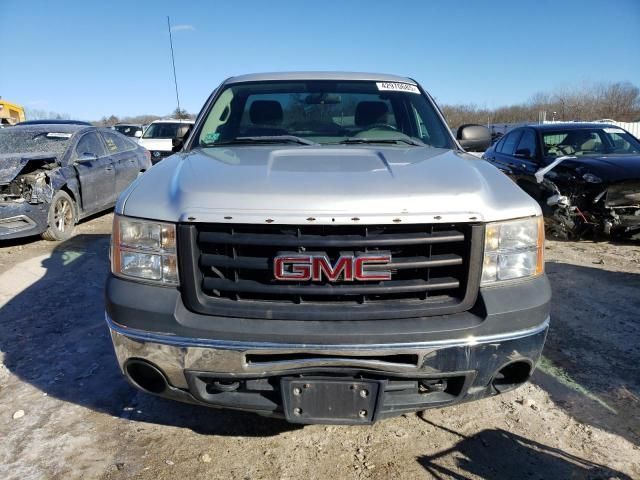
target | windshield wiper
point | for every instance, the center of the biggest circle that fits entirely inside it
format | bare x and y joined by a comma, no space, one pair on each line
262,139
354,141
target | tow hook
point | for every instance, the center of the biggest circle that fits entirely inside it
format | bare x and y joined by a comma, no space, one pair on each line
431,386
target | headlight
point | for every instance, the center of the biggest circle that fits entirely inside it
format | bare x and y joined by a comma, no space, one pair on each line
591,178
513,249
144,250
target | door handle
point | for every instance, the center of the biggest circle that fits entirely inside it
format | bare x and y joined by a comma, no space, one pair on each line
109,168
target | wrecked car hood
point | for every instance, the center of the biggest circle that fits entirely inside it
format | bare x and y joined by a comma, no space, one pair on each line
11,164
610,168
329,184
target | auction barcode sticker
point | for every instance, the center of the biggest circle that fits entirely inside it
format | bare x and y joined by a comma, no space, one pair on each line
397,87
58,135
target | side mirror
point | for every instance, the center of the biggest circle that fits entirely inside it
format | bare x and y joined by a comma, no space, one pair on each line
523,153
87,157
178,141
176,144
138,134
474,138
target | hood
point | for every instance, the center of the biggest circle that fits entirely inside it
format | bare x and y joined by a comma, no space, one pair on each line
610,168
11,164
160,144
325,185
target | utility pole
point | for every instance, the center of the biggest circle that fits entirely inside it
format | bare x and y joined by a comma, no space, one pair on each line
173,62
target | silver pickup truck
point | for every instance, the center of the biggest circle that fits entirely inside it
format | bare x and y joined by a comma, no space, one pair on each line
322,249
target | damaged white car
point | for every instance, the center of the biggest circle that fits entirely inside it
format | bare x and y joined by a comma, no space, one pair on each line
53,175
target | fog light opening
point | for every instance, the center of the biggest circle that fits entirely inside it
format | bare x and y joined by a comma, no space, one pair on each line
511,376
146,376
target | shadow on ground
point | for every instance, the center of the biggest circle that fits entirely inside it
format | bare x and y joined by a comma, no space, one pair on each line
17,242
54,337
500,454
589,364
22,241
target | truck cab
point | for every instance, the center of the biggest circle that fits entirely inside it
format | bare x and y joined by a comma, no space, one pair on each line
323,250
10,113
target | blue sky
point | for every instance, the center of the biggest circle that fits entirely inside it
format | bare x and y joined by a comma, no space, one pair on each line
94,58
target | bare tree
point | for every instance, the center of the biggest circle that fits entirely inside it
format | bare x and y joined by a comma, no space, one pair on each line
182,114
618,101
36,114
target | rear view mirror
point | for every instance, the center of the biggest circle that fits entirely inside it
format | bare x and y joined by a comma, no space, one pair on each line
138,134
323,99
474,138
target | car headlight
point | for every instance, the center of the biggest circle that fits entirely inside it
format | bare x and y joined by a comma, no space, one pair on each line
591,178
513,249
144,250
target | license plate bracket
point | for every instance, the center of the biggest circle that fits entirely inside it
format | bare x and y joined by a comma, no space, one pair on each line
329,400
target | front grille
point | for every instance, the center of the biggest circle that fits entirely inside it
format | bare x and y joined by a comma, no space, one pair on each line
227,270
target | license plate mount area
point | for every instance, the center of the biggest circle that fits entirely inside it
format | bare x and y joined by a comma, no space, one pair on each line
330,400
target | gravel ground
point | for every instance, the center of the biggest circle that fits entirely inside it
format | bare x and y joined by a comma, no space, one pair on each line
65,411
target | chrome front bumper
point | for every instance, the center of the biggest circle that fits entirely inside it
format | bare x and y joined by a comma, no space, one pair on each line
175,355
248,364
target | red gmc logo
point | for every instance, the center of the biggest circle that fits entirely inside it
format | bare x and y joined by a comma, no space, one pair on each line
302,267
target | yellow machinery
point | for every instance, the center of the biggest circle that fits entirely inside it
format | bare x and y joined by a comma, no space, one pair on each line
10,113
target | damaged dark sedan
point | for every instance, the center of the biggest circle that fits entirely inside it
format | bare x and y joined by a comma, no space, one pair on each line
586,177
53,175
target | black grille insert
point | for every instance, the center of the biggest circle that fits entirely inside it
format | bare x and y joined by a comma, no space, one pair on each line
227,270
261,358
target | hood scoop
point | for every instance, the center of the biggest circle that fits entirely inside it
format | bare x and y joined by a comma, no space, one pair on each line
315,160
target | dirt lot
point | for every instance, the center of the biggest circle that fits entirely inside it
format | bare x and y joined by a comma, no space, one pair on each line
65,411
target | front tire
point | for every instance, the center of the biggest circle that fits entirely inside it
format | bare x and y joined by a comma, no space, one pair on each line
62,218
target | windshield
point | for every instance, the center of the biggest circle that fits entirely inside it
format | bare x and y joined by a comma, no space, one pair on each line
128,130
590,141
323,112
166,130
15,140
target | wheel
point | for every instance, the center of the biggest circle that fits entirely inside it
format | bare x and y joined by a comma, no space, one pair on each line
62,218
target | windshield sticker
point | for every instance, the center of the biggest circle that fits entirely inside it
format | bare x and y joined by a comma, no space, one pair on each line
58,135
211,137
397,87
613,130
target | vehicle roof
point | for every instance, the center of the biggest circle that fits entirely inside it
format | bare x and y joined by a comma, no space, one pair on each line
258,77
10,104
54,122
128,125
569,126
174,120
48,127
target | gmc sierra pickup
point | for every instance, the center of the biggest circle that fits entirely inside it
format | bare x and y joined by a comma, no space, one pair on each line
322,249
